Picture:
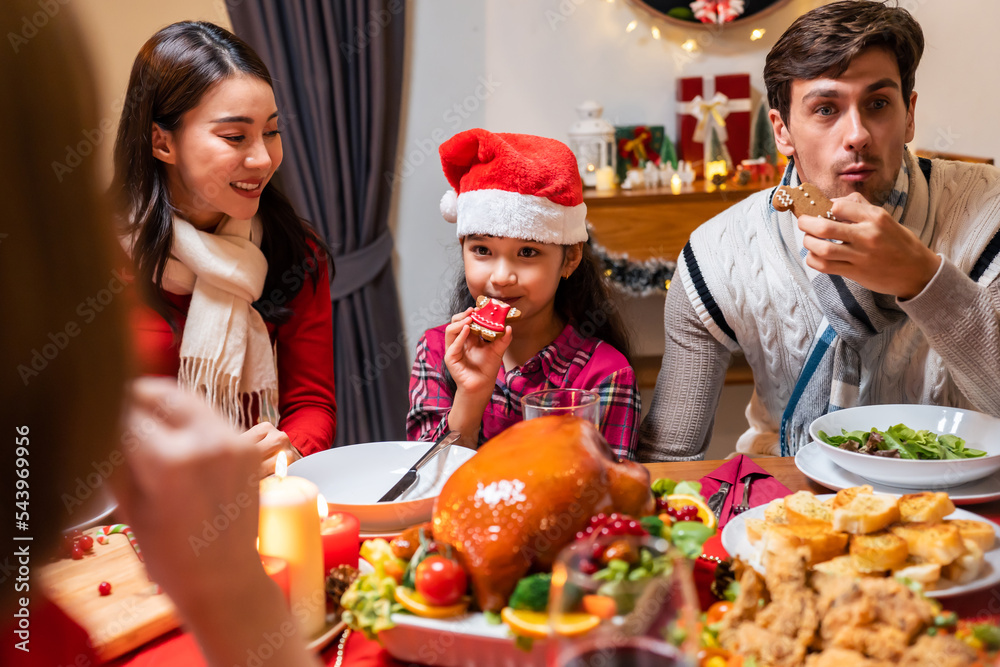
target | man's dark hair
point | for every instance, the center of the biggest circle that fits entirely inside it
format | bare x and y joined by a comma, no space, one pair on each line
824,41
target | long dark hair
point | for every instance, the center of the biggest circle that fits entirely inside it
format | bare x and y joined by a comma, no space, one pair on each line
584,299
171,74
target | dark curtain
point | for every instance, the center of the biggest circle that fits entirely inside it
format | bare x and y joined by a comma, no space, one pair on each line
337,67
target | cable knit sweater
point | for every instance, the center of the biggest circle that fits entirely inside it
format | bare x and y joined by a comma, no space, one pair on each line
946,351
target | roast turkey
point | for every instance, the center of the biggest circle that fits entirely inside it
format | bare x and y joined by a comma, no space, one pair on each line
524,496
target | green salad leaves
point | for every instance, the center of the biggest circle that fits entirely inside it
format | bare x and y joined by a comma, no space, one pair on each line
909,444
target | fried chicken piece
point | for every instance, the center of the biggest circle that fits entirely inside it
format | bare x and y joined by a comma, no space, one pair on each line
747,602
876,617
839,657
793,616
940,651
769,648
898,606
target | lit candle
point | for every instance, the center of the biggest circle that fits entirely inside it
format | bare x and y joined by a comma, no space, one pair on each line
675,184
289,529
605,179
341,534
718,167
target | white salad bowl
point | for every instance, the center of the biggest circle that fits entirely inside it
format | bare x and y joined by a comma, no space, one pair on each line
353,478
978,430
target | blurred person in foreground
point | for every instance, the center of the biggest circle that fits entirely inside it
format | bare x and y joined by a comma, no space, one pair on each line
174,461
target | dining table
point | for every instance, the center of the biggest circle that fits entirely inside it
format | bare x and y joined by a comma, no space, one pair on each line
354,650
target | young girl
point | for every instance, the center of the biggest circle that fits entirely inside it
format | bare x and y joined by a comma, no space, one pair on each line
518,202
228,270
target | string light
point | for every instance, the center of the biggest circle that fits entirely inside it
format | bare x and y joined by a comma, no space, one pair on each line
656,32
690,46
631,26
757,34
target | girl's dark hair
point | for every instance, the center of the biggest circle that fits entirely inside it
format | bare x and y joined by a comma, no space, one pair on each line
584,299
825,40
171,74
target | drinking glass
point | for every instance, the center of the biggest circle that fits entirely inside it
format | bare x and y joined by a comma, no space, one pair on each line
647,613
578,402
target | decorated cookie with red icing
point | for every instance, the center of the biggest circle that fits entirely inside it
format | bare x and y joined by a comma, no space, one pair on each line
490,317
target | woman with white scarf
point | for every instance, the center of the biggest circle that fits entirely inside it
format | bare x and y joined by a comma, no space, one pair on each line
236,284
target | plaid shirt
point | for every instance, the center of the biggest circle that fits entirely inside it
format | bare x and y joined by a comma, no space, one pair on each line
570,361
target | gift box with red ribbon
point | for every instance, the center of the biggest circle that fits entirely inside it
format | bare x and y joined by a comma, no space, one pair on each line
722,101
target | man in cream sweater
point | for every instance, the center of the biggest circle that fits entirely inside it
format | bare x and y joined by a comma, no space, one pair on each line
894,301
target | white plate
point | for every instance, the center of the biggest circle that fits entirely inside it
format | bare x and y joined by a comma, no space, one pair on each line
813,462
95,509
734,541
978,430
353,478
463,641
334,626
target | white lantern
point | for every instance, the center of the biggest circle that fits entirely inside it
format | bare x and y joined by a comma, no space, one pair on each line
592,140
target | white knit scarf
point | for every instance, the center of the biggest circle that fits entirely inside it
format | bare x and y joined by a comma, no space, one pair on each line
853,315
226,353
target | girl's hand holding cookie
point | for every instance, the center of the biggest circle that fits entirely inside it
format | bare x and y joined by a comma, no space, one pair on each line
473,362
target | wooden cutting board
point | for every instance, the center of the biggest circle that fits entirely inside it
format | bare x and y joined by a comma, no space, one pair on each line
132,615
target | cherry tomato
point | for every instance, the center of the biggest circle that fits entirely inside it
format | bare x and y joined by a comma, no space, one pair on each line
717,611
440,580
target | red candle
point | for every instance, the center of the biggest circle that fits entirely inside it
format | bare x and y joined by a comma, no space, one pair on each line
341,533
277,569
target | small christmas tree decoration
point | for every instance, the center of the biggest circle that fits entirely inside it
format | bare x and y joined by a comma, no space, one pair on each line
762,144
717,160
668,154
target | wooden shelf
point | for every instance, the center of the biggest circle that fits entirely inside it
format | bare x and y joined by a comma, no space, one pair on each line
656,223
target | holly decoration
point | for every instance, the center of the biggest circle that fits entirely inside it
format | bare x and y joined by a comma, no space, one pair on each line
717,11
762,145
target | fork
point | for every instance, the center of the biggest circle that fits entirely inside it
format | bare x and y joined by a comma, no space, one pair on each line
747,481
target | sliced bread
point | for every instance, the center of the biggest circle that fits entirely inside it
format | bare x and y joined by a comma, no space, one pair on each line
822,542
775,511
804,507
980,532
845,496
934,542
878,552
866,513
925,507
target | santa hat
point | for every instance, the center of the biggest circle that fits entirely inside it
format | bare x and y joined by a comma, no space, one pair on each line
513,185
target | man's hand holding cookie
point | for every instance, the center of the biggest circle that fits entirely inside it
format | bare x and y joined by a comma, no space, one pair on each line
874,250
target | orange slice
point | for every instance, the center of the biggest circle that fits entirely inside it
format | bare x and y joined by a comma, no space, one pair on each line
416,603
680,500
536,623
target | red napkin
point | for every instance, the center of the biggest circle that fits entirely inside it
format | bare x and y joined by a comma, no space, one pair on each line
763,489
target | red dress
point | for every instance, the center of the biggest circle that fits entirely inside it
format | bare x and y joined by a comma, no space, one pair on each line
307,402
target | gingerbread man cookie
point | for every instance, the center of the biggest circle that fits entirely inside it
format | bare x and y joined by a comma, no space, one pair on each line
802,200
490,318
